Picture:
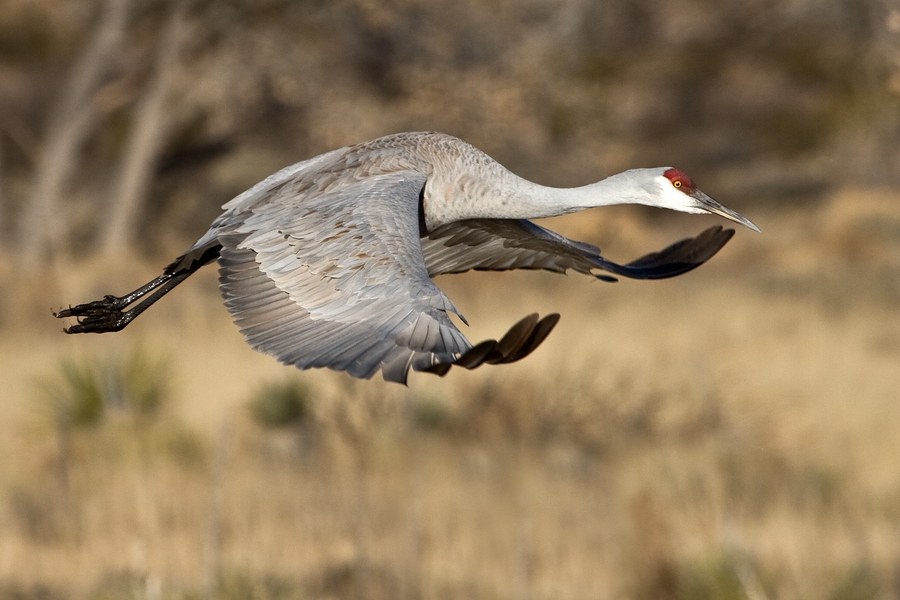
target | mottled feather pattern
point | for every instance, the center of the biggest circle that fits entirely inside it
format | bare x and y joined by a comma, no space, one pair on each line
340,260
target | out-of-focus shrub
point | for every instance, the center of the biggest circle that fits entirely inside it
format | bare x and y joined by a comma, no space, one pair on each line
280,404
82,391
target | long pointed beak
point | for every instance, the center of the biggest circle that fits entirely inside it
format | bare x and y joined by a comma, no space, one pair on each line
706,203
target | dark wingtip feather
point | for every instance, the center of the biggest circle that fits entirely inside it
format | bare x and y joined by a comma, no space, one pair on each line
439,369
476,355
517,335
520,341
538,335
678,258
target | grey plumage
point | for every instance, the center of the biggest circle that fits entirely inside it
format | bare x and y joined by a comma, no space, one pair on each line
328,263
341,282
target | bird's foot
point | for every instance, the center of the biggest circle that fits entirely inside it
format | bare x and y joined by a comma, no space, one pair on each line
99,316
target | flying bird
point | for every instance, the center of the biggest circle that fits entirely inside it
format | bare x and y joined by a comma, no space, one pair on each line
328,262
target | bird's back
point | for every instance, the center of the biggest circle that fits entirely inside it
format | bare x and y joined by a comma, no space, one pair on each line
458,176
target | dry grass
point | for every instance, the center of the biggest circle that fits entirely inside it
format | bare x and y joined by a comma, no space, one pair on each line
733,433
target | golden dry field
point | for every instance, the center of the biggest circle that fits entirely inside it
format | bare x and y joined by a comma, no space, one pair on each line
731,433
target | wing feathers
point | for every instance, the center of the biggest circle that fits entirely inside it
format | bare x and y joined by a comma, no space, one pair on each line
342,284
503,244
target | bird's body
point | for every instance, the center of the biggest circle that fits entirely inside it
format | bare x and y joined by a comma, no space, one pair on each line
328,262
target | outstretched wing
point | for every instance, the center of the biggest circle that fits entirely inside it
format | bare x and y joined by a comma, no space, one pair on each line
503,244
337,279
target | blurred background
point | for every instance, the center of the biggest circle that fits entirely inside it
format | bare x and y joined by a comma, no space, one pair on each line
731,433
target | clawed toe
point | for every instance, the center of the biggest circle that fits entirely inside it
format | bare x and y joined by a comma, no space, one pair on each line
98,316
99,324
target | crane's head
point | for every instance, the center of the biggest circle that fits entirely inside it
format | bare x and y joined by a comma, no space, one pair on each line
678,192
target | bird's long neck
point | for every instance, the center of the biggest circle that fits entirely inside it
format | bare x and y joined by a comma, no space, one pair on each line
501,194
533,201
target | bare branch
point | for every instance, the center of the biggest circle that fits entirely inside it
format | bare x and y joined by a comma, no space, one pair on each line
42,229
152,125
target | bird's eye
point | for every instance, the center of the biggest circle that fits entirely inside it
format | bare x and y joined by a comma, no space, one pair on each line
679,180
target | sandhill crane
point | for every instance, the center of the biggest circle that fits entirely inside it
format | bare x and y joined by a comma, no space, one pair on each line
328,262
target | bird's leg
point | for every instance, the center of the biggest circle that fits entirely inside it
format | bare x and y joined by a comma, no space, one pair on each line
113,312
110,314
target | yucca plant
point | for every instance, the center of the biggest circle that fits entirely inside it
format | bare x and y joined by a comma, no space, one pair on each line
82,391
75,394
280,404
142,381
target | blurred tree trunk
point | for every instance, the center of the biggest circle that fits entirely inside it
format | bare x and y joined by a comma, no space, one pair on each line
3,224
152,124
42,230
